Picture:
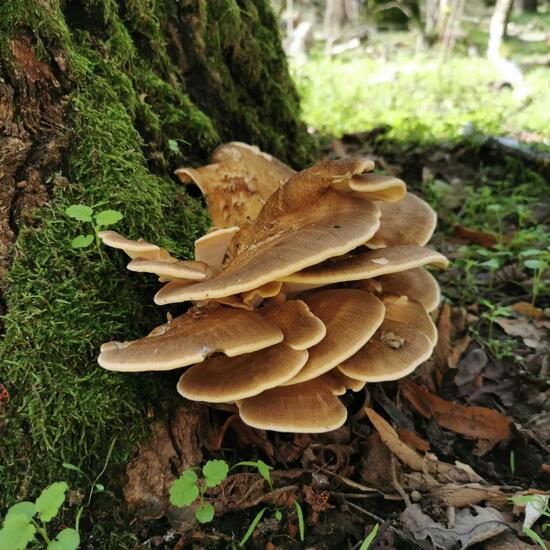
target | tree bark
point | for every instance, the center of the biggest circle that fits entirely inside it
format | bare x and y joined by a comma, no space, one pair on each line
99,102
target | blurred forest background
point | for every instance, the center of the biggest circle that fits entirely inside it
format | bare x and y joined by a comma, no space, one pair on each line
432,70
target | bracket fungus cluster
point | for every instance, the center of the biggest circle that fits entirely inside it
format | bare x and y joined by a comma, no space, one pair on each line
312,283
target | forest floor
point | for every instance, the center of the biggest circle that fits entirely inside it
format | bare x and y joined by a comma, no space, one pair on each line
444,477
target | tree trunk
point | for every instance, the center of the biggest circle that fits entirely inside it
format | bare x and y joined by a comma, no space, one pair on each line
497,30
99,102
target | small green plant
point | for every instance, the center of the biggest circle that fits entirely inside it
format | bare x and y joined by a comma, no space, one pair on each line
365,545
542,505
98,221
301,525
538,261
189,488
252,526
25,519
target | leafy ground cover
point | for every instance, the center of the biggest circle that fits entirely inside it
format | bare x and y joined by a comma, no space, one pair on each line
425,98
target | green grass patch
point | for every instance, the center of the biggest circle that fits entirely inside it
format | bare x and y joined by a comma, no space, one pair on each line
422,100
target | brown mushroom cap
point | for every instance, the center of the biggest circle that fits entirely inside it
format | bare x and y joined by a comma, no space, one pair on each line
211,248
404,310
363,265
309,407
134,249
408,221
377,187
345,381
221,379
192,337
253,298
394,351
351,317
171,269
237,185
301,328
418,284
303,223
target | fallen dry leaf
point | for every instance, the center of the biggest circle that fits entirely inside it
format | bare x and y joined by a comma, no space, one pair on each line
467,494
532,336
428,463
457,351
390,438
413,440
525,308
476,422
473,236
468,529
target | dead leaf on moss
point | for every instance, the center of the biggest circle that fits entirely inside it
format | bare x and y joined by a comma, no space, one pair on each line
468,529
475,422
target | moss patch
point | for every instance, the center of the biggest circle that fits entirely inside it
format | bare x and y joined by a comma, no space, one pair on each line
140,73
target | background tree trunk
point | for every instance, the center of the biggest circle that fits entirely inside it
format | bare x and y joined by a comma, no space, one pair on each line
99,102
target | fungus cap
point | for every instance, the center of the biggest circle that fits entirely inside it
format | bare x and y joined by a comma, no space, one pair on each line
417,284
394,351
302,329
363,265
309,407
212,247
190,338
221,379
414,314
134,249
408,221
303,223
377,187
171,269
351,317
238,182
347,382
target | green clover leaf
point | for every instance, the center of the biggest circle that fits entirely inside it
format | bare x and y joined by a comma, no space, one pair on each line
214,472
82,241
17,532
68,539
184,490
532,264
108,217
205,513
50,500
25,508
79,212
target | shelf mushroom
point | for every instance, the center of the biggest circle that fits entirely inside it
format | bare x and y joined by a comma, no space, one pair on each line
237,183
303,223
310,284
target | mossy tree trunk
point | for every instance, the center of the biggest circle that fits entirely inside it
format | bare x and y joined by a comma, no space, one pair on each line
94,96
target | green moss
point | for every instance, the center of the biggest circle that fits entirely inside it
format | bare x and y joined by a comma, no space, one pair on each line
128,98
